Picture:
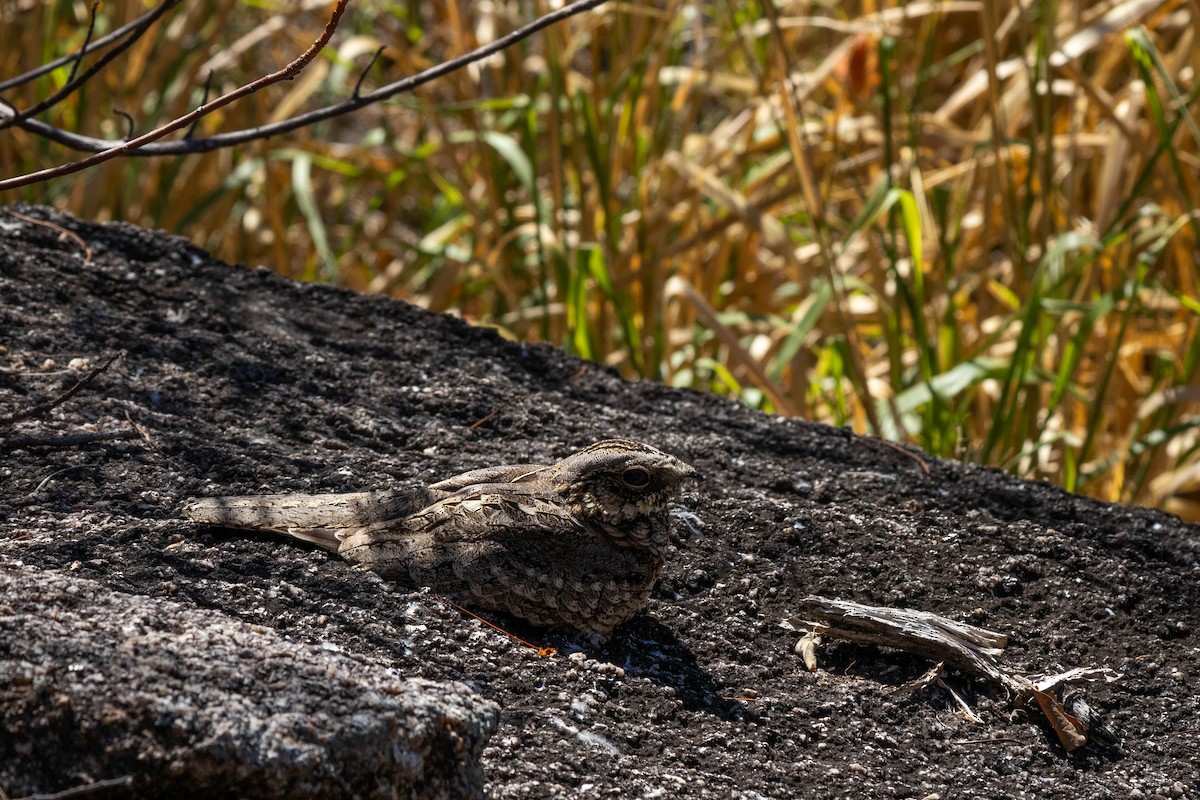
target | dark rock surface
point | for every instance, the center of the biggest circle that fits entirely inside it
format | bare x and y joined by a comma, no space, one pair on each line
189,702
235,381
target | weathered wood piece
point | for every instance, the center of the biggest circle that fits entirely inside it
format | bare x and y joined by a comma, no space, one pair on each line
969,648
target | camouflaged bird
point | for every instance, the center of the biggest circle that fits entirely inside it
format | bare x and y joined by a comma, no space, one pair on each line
573,545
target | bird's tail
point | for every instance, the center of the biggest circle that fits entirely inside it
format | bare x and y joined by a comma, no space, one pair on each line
315,518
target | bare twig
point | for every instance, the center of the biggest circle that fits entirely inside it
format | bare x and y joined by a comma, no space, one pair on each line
964,708
147,146
80,791
87,38
129,124
50,66
145,434
904,451
10,116
286,73
42,485
930,675
363,75
48,406
544,652
66,440
64,232
491,414
191,131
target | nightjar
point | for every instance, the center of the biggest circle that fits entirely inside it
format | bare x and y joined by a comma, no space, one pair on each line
572,545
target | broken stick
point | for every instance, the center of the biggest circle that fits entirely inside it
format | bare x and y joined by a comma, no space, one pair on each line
972,650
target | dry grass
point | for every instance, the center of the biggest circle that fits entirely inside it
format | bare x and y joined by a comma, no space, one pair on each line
966,224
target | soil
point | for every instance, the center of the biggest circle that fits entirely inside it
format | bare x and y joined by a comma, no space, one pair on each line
235,381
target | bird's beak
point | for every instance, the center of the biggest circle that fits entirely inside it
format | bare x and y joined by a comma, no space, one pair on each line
687,472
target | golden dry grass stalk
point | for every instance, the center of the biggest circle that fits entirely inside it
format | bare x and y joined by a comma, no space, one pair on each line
967,224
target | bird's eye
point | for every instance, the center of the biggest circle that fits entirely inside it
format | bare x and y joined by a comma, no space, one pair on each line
636,477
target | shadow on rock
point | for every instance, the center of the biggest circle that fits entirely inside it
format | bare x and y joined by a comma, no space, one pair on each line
646,648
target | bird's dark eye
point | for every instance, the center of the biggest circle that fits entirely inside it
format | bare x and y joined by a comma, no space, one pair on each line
636,477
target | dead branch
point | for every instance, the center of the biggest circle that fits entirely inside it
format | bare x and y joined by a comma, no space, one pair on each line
45,408
972,650
91,31
10,116
64,233
103,41
286,73
66,440
146,145
86,789
13,117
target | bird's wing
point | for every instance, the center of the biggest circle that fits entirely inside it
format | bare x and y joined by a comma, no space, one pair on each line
480,512
503,474
460,528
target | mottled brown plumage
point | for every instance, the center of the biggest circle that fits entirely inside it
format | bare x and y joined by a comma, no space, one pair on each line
575,545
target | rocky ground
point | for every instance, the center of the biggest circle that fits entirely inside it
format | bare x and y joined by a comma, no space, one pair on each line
236,381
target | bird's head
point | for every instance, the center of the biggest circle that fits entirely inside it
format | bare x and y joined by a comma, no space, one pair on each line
622,487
